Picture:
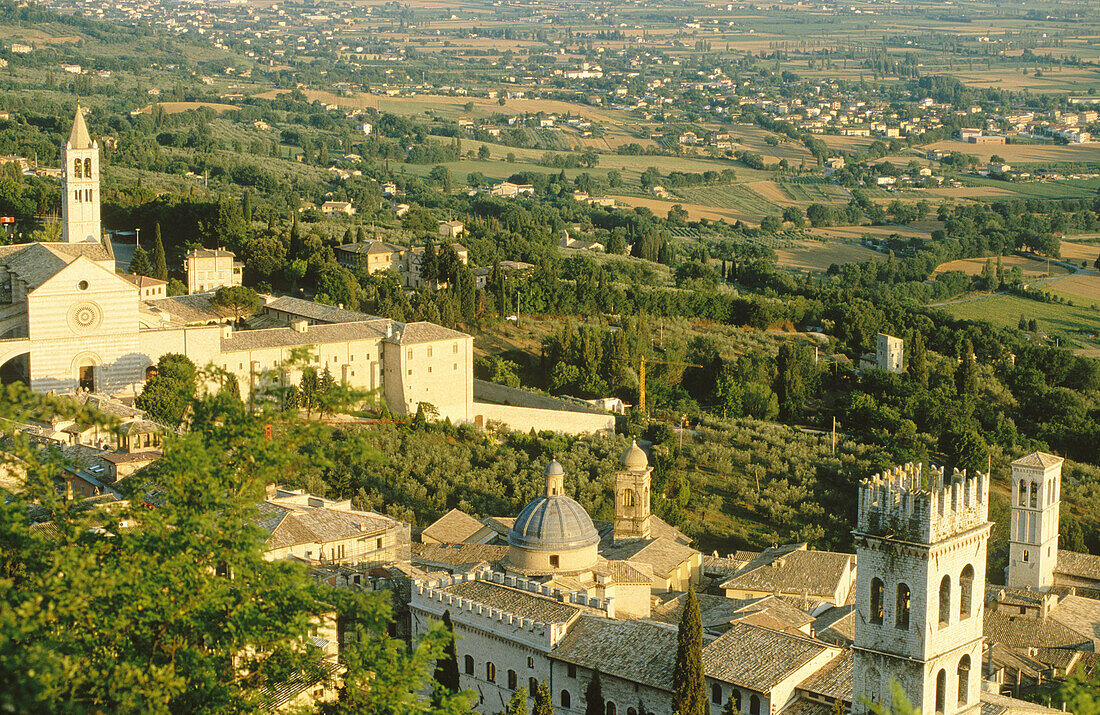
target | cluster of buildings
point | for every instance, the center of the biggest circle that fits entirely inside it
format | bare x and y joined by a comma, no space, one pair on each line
69,322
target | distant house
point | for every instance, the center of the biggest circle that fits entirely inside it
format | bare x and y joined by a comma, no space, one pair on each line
209,269
336,208
148,288
373,255
451,229
509,190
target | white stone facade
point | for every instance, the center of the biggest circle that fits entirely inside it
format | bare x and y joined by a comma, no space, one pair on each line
1033,531
889,353
921,556
80,186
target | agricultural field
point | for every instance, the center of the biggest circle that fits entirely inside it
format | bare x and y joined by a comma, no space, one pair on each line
1030,267
817,256
738,198
1077,327
1078,249
1067,189
1082,289
1026,153
814,191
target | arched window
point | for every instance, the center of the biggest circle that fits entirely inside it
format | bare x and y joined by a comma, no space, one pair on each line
513,681
609,708
941,691
901,607
628,498
532,686
76,168
964,680
469,665
565,699
1034,494
1023,493
754,705
1026,555
966,591
736,695
716,693
945,601
490,672
631,711
87,168
876,600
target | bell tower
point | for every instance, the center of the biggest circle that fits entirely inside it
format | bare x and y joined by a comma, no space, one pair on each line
920,583
632,517
1033,536
80,185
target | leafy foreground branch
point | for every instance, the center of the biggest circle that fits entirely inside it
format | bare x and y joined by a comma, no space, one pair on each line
166,604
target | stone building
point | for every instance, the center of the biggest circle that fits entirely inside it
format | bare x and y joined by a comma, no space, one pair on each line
1033,531
80,186
919,606
889,353
208,269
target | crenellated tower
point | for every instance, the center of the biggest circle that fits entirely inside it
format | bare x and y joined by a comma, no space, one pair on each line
80,185
920,575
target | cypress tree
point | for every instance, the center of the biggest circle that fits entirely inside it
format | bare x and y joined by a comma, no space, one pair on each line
543,704
158,259
688,682
918,360
593,696
246,207
446,668
966,375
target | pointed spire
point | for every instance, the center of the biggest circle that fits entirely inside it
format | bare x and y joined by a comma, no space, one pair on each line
79,137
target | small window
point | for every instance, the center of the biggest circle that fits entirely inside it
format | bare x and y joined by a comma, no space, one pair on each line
378,543
565,699
966,592
530,661
1026,556
554,563
716,693
571,669
429,369
945,601
964,680
513,680
754,705
88,168
429,351
1023,493
409,354
454,348
941,691
410,372
532,686
609,708
469,665
76,168
490,672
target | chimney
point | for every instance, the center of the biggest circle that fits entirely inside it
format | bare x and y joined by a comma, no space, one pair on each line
299,326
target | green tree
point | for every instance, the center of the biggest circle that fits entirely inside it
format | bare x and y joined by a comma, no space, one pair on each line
169,391
139,264
543,704
483,152
966,374
688,681
1081,694
446,666
158,259
241,300
593,696
518,704
899,703
918,360
790,383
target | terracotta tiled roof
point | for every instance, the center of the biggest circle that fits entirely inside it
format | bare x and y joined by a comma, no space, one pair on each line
815,573
423,332
834,679
1080,614
242,340
994,704
1038,459
320,525
758,658
805,706
1072,563
1029,631
460,556
663,554
317,311
454,527
511,600
638,651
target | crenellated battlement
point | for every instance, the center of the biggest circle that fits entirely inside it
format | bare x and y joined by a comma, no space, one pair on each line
431,596
898,504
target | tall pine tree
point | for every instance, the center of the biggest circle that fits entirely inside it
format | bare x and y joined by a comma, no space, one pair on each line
543,704
446,667
593,696
918,360
139,264
688,683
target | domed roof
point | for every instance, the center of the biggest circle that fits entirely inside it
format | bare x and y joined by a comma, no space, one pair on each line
553,521
634,458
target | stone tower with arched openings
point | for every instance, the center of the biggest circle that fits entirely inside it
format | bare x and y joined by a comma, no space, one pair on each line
80,185
920,575
1033,535
632,515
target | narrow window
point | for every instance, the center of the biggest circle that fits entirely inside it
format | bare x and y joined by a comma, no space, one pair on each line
1026,556
571,670
76,168
945,601
532,685
554,562
565,699
1034,494
966,592
754,705
941,691
469,665
490,672
901,614
1023,493
876,600
512,680
716,693
609,708
736,700
87,168
964,679
530,661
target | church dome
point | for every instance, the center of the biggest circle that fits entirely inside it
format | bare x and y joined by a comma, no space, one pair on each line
634,458
553,521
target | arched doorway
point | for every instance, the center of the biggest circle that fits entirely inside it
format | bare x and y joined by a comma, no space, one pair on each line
86,374
16,369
